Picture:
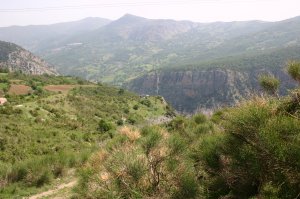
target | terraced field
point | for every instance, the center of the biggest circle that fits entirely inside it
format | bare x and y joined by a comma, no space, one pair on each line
16,89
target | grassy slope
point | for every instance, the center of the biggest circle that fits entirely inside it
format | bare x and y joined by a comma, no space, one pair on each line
43,134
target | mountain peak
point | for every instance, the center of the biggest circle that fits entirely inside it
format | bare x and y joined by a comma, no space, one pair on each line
131,18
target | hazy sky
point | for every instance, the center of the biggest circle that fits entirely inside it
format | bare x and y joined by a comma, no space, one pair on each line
25,12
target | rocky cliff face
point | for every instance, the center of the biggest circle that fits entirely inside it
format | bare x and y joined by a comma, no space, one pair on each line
190,90
16,58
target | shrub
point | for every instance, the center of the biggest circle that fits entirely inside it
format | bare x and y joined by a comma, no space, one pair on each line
120,122
176,144
132,120
179,123
121,91
43,179
146,102
136,169
269,83
126,110
203,128
104,126
150,141
293,68
136,107
218,116
200,118
188,186
266,151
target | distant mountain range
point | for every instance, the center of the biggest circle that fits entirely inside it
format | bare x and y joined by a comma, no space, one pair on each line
15,58
37,37
124,51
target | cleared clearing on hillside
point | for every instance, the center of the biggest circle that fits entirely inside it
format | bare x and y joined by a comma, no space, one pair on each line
19,89
59,88
64,88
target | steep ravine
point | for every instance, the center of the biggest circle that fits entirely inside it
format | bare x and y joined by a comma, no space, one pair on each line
191,90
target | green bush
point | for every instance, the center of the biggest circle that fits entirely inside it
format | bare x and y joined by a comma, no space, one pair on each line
120,122
266,153
43,179
200,118
188,186
105,126
136,107
293,69
146,102
176,144
269,83
203,128
150,141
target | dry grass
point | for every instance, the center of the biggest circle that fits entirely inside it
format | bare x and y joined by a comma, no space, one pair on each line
16,81
59,88
98,158
131,133
19,89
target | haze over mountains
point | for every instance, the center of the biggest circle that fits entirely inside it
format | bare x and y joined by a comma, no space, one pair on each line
35,37
167,57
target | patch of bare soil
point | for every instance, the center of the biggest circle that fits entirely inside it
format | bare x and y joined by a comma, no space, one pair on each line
59,88
16,89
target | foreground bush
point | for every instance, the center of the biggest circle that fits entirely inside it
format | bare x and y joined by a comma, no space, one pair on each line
258,154
138,164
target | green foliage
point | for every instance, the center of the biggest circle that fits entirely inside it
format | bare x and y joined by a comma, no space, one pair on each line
200,118
188,186
218,116
105,126
146,164
146,102
150,141
121,91
43,135
135,107
178,123
293,69
120,122
269,83
267,151
248,151
176,144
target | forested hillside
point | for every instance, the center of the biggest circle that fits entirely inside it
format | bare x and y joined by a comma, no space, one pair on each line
217,83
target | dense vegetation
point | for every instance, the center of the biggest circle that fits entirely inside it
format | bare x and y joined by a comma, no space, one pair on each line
269,59
251,150
45,133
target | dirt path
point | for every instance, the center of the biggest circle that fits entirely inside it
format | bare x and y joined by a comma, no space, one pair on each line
54,191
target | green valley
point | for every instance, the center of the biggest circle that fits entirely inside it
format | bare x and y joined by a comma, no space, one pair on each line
138,108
